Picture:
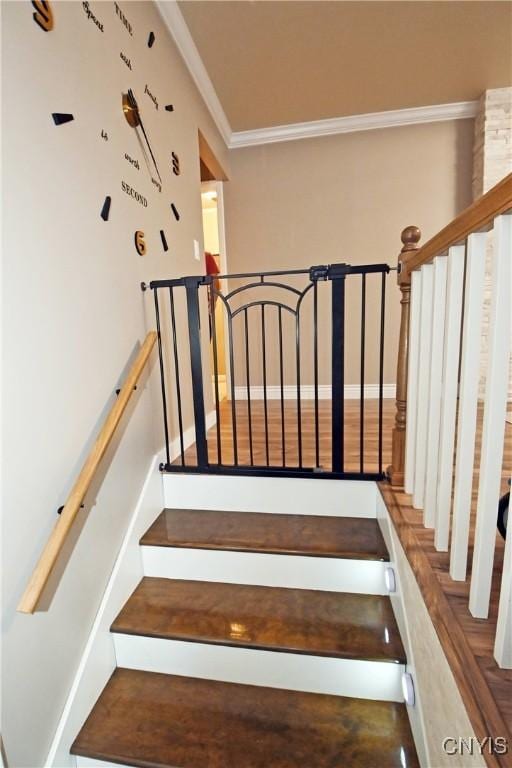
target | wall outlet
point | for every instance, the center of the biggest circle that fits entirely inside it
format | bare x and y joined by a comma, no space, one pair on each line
197,252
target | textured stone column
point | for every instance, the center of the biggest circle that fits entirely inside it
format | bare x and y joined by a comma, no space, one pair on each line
492,160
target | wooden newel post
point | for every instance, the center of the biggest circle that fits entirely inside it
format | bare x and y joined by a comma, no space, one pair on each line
410,239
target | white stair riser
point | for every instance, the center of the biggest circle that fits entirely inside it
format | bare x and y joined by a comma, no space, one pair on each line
291,671
278,495
295,571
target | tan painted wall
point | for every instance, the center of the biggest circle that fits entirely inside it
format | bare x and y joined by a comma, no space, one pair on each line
344,198
74,311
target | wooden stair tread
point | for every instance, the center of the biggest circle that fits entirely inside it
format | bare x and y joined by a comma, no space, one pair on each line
152,720
313,535
340,625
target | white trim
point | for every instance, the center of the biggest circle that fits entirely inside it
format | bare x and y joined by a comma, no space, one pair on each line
284,670
177,26
373,120
307,392
98,659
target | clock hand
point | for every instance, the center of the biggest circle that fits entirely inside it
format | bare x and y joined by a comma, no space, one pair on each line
135,107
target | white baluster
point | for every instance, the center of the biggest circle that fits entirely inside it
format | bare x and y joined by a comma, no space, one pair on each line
434,396
412,380
454,290
503,641
468,403
496,389
420,451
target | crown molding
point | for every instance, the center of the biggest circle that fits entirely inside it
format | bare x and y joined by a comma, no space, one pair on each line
177,26
368,122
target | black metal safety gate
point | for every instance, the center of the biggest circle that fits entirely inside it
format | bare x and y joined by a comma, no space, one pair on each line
302,436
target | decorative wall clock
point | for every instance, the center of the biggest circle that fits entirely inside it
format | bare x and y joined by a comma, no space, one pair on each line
140,112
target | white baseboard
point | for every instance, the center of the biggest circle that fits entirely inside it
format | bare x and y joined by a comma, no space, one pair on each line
307,392
381,680
98,659
278,495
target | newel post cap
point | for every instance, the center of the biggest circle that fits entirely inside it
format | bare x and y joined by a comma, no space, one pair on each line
410,238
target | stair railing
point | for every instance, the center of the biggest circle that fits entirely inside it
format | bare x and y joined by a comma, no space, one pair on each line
437,405
55,543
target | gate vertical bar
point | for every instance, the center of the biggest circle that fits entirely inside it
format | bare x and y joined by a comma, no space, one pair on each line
177,373
281,383
194,335
215,372
381,362
265,403
361,394
248,383
162,377
338,372
315,355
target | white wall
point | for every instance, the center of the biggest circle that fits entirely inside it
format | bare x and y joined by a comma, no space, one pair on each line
73,312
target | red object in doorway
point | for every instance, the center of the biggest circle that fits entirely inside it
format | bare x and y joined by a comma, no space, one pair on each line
212,268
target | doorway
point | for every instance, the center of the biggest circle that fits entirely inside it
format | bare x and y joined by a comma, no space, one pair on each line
212,210
212,206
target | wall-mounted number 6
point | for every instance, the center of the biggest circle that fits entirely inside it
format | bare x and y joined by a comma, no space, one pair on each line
43,15
140,244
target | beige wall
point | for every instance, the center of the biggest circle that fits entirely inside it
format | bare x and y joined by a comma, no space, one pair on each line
74,312
345,198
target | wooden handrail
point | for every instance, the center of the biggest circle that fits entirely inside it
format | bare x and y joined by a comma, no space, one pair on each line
476,218
44,567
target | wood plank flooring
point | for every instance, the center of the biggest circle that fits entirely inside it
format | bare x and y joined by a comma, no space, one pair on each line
280,453
195,723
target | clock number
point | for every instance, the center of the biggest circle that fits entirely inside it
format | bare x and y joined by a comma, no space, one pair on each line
175,164
43,15
140,244
151,39
164,241
175,211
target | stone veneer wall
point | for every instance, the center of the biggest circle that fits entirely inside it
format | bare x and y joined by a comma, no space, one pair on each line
492,160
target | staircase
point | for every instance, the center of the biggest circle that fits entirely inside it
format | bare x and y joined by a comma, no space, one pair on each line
255,640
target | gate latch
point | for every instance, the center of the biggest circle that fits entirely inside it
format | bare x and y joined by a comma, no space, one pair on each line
329,272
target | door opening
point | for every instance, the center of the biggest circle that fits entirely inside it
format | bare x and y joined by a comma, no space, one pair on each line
214,263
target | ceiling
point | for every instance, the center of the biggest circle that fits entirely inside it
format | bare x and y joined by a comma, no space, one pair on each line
276,63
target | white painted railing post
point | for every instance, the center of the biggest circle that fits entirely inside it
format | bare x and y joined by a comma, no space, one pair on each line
468,404
434,395
454,291
503,641
496,389
412,380
427,281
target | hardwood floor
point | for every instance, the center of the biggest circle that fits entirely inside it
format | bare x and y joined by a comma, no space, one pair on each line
467,642
291,444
